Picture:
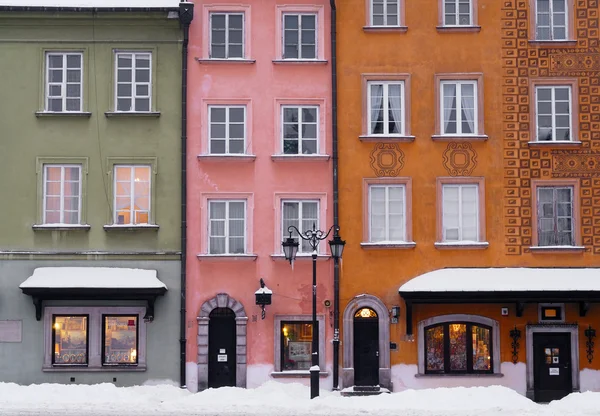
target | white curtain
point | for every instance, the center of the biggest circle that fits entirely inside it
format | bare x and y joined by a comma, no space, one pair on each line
450,213
217,228
395,104
468,106
310,216
449,108
396,213
376,108
377,214
236,227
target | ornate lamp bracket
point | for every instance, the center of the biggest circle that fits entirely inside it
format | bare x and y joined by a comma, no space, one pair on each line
590,334
515,334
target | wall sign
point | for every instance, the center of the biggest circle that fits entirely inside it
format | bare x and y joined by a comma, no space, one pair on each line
221,358
554,371
11,331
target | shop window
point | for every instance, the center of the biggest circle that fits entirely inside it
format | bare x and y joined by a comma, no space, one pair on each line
296,345
120,340
70,340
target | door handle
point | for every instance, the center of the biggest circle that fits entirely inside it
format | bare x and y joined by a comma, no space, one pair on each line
376,353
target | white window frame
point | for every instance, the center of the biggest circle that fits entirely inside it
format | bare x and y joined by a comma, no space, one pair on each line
284,232
555,217
210,34
227,126
386,7
460,187
387,213
386,108
551,16
134,84
63,84
132,168
299,108
456,13
553,113
226,226
62,196
299,17
459,120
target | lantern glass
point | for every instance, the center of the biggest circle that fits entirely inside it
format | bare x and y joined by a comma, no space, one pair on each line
290,248
337,246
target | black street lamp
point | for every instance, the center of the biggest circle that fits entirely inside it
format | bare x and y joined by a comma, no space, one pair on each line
290,249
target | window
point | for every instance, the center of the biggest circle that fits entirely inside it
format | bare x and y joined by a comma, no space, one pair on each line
458,347
458,13
555,216
70,340
553,111
227,227
226,35
132,194
62,194
227,129
385,12
458,107
551,17
119,339
299,36
386,108
387,213
134,81
299,129
460,212
302,215
296,345
64,79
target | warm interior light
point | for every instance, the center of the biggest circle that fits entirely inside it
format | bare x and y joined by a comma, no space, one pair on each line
56,326
285,331
456,327
133,355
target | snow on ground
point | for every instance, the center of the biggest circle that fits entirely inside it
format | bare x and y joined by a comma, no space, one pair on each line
278,399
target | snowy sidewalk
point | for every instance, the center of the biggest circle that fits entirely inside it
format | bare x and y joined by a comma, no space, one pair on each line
277,399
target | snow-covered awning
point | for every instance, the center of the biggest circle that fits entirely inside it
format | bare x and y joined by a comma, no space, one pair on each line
498,285
89,4
86,283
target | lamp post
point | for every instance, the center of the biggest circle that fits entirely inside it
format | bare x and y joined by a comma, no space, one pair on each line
290,249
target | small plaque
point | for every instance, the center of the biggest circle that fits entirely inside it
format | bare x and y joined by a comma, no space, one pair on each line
11,331
222,358
554,360
554,371
394,320
222,351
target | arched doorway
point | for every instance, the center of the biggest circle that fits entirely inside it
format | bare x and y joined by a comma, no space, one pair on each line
366,347
221,348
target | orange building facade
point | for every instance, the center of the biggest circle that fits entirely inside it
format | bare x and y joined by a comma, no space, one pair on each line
469,130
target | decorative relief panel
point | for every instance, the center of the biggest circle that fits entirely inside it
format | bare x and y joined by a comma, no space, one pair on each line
522,61
387,159
459,159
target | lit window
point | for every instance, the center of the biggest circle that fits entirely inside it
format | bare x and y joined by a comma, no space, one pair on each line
62,194
133,82
70,340
120,344
299,36
132,194
64,81
296,345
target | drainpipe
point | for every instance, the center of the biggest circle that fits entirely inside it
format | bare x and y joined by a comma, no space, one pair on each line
186,15
336,261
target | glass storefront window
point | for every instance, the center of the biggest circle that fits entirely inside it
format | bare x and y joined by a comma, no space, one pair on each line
296,345
70,340
120,340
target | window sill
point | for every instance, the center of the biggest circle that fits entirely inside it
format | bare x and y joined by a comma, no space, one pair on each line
61,227
297,374
386,138
130,227
63,114
559,144
384,29
447,138
227,158
86,369
461,245
226,257
398,245
484,375
301,257
557,249
300,61
225,61
553,43
455,29
154,114
282,158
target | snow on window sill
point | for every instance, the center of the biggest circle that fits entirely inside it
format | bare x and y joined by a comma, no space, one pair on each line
311,157
553,43
477,375
225,61
448,137
132,114
227,157
557,143
557,249
301,256
227,257
86,369
130,227
300,61
63,114
61,227
468,245
454,29
375,29
386,137
388,244
297,374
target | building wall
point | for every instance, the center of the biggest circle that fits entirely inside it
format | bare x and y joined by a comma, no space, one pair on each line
262,85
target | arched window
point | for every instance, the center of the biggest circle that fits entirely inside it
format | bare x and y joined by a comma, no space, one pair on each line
458,346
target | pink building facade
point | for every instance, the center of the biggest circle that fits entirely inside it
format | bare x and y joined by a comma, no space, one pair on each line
259,160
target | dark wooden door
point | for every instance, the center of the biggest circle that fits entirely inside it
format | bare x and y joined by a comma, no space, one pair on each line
551,366
366,351
221,348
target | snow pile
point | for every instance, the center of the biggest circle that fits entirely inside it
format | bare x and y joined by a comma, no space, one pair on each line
91,3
